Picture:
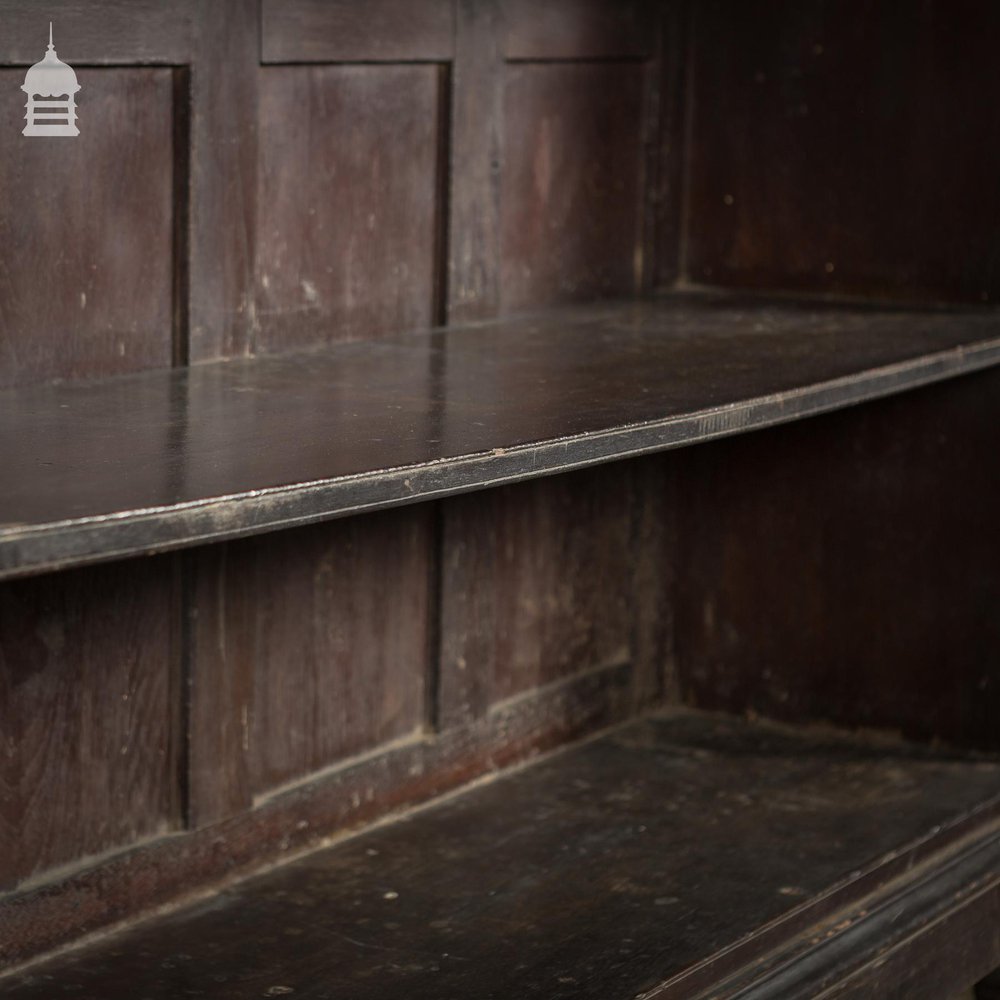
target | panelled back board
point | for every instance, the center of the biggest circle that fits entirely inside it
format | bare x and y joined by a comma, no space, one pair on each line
252,178
256,176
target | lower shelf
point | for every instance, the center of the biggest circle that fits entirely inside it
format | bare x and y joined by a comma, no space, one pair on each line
683,855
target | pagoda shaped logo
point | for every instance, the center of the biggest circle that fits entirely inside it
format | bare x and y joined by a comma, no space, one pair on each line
51,87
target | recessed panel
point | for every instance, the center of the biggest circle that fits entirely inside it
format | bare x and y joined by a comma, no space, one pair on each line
89,708
844,569
570,191
537,587
335,620
348,202
86,231
846,150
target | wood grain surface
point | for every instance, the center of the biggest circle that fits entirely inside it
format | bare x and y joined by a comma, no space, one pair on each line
845,570
330,31
89,715
349,203
571,199
340,620
130,881
536,586
215,253
253,177
86,277
663,857
248,445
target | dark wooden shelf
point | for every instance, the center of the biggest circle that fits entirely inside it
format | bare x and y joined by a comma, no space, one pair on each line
683,855
171,458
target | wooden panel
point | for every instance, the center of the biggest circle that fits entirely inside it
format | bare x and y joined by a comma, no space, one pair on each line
833,148
348,31
405,773
100,32
86,275
577,29
665,195
656,861
349,206
88,715
216,293
221,616
846,569
308,646
654,579
572,182
474,189
329,624
536,587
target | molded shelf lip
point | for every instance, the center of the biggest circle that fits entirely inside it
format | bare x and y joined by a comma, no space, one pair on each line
681,855
167,459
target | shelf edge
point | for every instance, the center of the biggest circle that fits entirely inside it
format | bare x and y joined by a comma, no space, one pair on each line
84,541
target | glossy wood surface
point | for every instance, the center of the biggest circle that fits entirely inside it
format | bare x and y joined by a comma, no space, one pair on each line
668,856
173,458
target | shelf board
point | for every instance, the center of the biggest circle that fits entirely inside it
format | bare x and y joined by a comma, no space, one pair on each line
683,855
164,459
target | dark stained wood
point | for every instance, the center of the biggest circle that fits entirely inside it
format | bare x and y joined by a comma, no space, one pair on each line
340,625
348,202
536,586
577,29
989,988
209,141
284,688
846,569
346,31
247,445
476,141
219,658
653,566
219,151
86,276
88,715
357,792
921,938
663,857
101,32
310,646
571,202
665,187
832,149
